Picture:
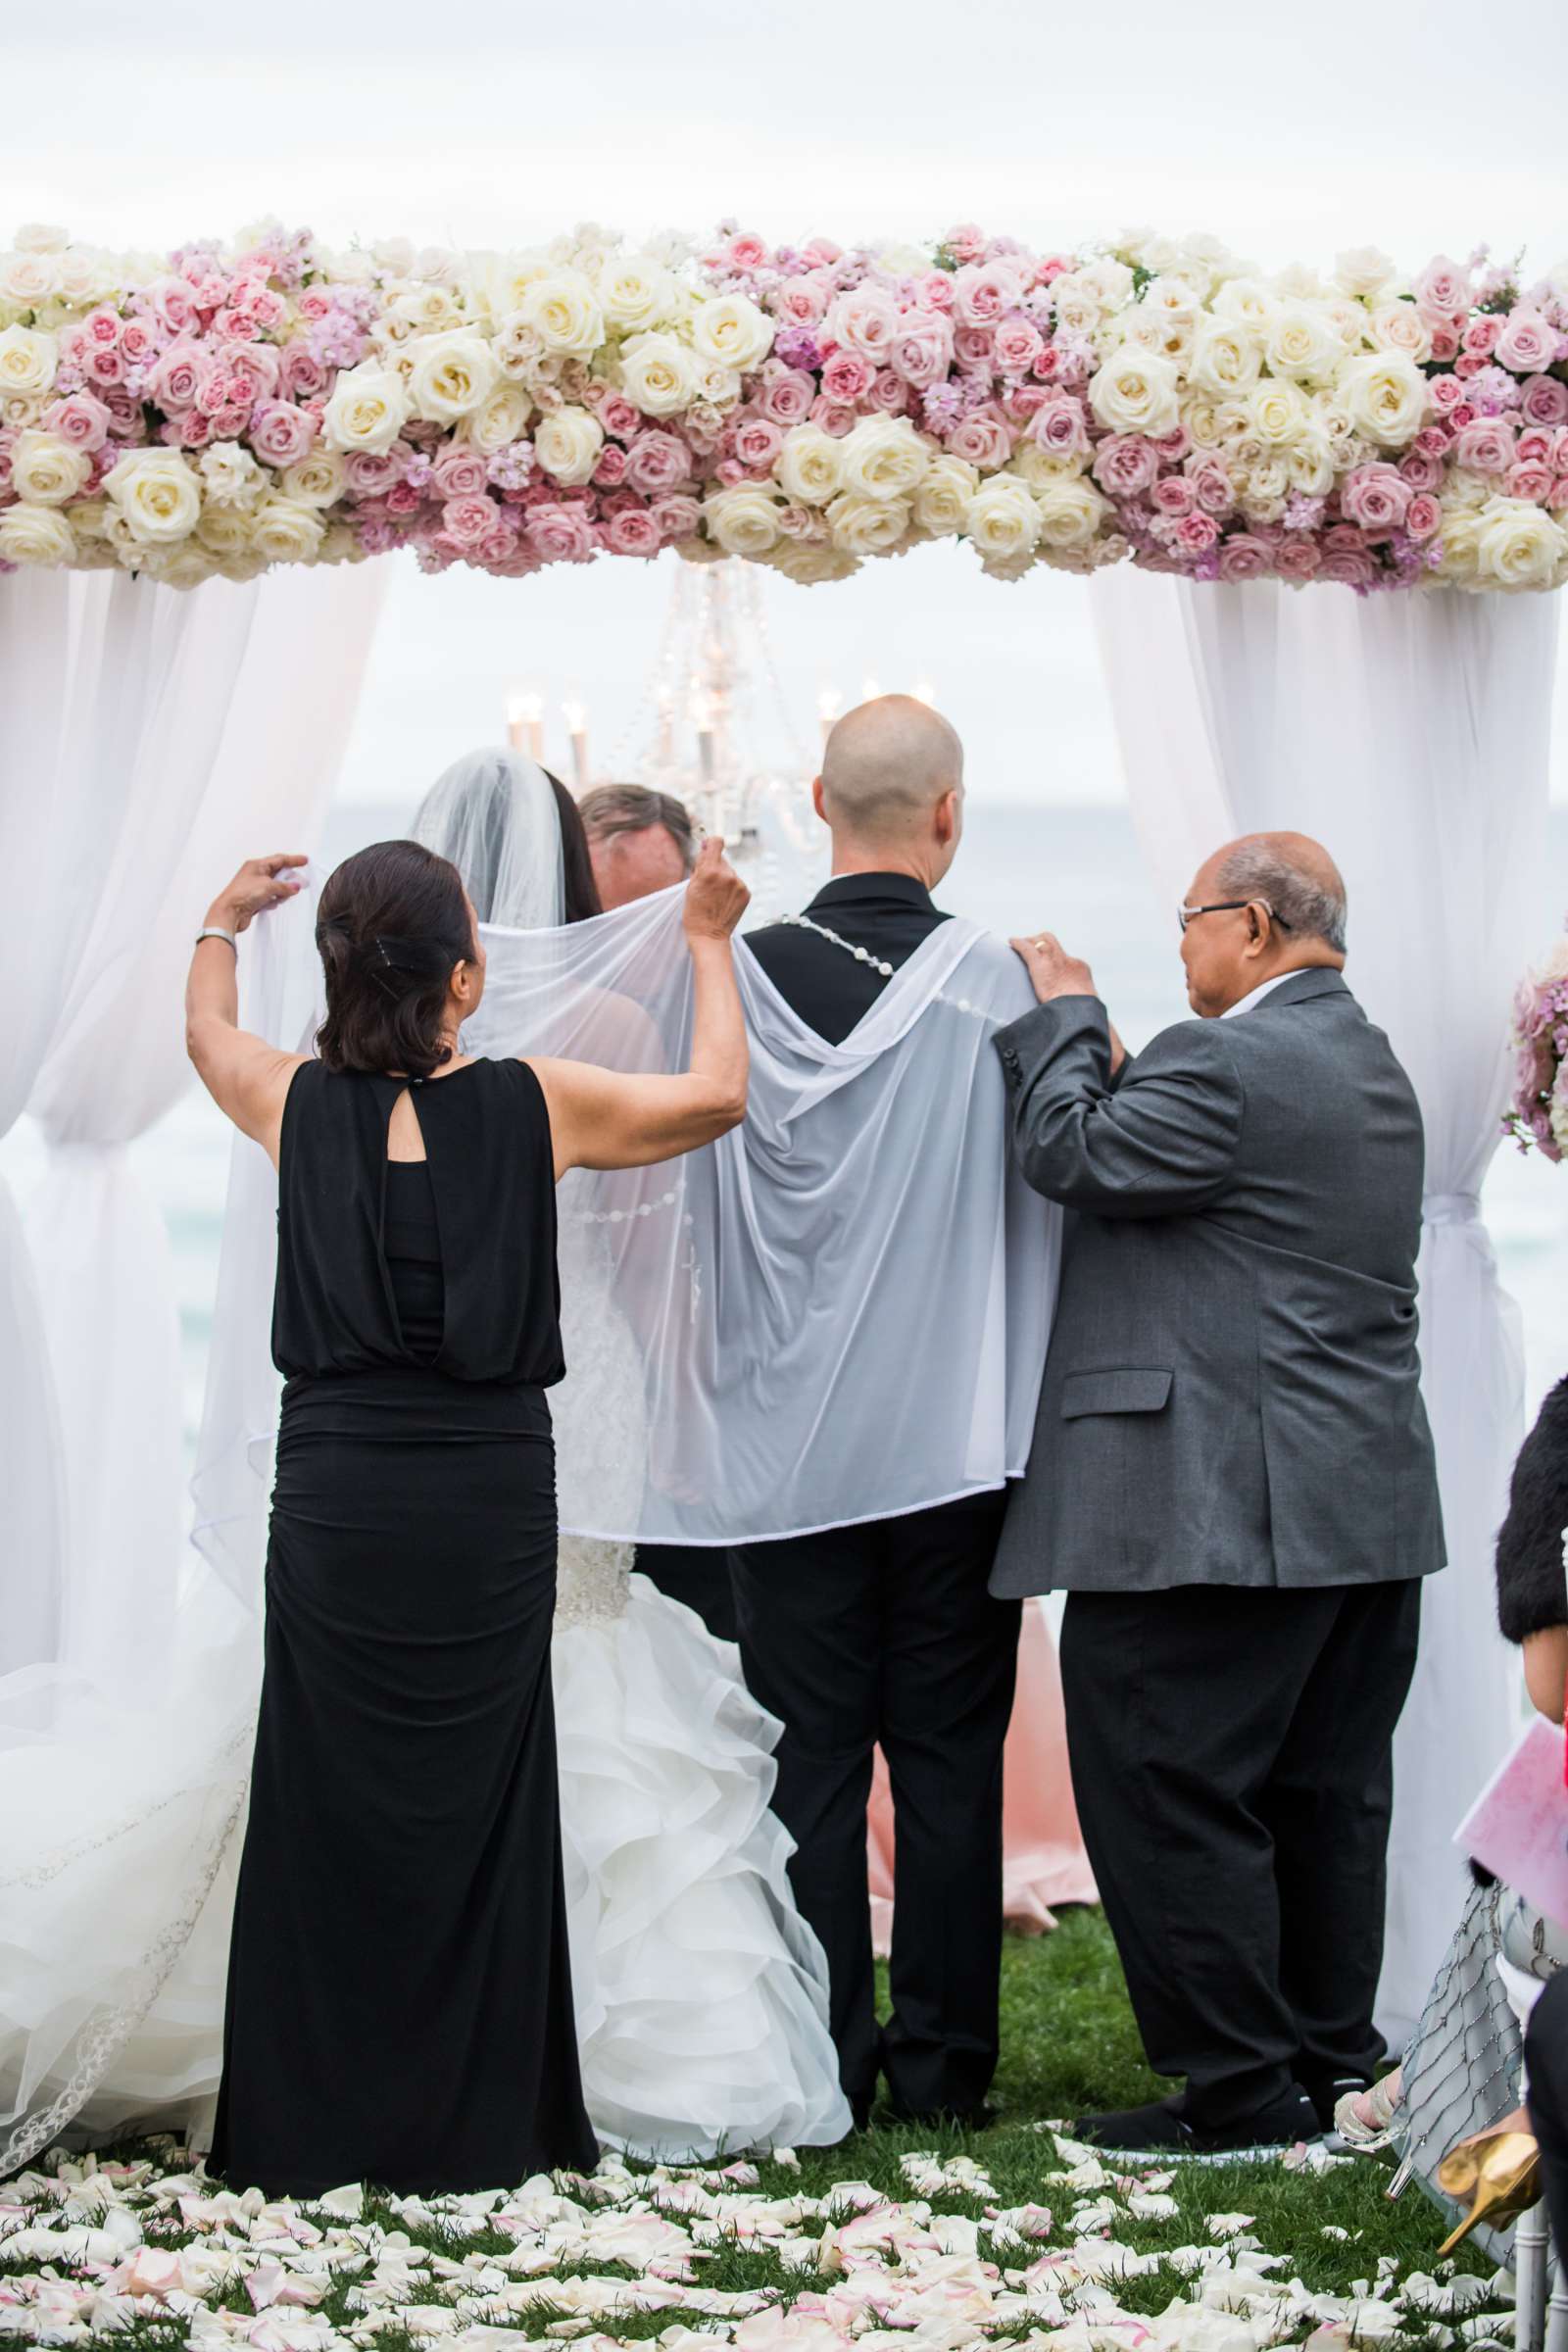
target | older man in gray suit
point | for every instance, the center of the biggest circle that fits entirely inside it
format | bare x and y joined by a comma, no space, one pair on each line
1233,1479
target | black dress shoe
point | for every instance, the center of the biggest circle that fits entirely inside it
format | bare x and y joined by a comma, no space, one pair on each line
936,2119
1162,2130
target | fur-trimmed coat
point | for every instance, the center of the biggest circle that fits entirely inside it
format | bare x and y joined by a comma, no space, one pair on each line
1531,1586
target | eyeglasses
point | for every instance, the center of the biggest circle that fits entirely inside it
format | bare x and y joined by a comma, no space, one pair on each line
1185,914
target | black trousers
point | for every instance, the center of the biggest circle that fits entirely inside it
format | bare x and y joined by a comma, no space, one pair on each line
697,1574
886,1632
1546,2073
1232,1761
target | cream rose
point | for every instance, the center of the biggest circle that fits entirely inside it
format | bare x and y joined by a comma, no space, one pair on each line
714,383
1304,341
285,532
27,279
1519,546
1135,392
315,481
1072,511
1309,462
368,409
425,309
634,291
28,357
46,470
565,312
867,526
35,536
1226,357
1385,396
500,280
884,457
157,494
811,466
451,375
1247,300
1035,464
732,332
567,443
943,498
230,475
1003,518
1399,327
1080,306
743,521
498,420
184,567
1363,273
225,530
809,565
1158,331
1278,413
656,374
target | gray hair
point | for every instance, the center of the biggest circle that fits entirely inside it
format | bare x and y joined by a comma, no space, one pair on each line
1304,903
609,809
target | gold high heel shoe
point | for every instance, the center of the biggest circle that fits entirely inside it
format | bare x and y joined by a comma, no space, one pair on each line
1499,2171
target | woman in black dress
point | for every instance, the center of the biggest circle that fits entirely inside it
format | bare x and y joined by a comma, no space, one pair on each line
400,1995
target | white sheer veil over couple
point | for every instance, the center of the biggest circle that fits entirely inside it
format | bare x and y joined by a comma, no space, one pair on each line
741,1370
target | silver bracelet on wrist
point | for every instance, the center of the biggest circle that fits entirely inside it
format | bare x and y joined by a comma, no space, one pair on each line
212,931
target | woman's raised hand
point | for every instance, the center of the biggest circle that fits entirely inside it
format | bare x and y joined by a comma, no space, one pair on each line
259,883
715,896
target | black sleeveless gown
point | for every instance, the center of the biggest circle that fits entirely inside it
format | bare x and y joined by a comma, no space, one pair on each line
399,1990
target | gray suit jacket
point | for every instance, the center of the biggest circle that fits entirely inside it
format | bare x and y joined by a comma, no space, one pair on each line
1231,1395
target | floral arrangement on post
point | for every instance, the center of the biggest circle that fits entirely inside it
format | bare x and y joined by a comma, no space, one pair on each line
1537,1116
806,407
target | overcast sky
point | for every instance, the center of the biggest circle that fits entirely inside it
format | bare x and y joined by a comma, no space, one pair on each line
1290,131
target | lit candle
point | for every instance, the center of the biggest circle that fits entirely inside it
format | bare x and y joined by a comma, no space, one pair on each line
702,715
576,718
526,725
828,705
926,693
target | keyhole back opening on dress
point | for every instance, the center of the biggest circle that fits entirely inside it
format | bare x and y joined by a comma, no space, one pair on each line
398,1127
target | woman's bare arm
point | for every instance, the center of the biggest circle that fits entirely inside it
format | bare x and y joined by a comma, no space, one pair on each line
247,1078
1546,1670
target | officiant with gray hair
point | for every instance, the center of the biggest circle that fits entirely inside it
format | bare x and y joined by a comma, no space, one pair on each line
1233,1480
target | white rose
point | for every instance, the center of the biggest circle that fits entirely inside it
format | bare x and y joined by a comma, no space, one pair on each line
867,526
943,498
1070,510
655,373
35,536
1248,300
1518,545
423,310
1158,331
225,530
1173,295
315,481
744,520
184,567
1399,327
27,279
340,544
157,495
1035,464
1304,341
1226,357
884,457
367,410
1264,491
1299,283
451,375
26,362
1278,413
84,275
634,291
810,466
46,470
809,565
732,331
1113,280
564,313
1348,319
1385,397
1363,273
714,384
499,280
1309,462
1079,303
41,236
500,420
284,531
1003,518
567,443
1135,392
230,475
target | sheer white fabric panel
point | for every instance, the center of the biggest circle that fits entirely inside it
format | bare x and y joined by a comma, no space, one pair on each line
1410,734
223,716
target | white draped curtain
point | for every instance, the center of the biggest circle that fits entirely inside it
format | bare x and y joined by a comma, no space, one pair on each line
1409,733
149,739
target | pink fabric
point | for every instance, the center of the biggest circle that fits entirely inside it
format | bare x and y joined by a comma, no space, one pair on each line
1043,1850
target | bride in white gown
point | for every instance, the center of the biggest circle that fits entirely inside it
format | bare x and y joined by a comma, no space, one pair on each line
701,1995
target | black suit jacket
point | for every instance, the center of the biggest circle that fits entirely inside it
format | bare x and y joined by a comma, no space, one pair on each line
887,915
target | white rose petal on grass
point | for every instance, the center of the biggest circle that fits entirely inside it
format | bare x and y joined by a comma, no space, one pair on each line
563,310
1135,391
367,411
567,444
1385,397
45,470
884,457
451,375
35,536
743,521
1002,519
157,494
810,464
657,373
28,358
731,331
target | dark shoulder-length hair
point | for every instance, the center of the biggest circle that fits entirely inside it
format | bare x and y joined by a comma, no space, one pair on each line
392,927
579,890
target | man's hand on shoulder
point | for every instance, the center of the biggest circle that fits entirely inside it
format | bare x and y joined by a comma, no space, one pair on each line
1053,973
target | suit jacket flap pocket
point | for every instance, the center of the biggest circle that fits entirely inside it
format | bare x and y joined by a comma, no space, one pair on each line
1125,1391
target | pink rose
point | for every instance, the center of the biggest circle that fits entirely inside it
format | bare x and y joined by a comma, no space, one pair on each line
281,433
1297,557
175,382
757,441
560,534
1194,533
1017,345
981,438
974,349
1125,467
1442,289
610,471
1173,495
1059,425
1376,497
1173,446
922,349
748,251
1448,391
1243,557
846,375
1544,400
1433,440
1352,567
1530,481
1423,516
1421,469
124,414
786,393
300,373
677,518
1021,402
212,392
618,415
370,473
984,291
101,329
227,422
137,343
267,306
403,499
1444,339
1211,485
831,415
103,365
729,473
1480,335
172,305
1486,446
655,462
257,368
632,532
459,472
468,519
1536,447
936,290
1557,496
81,420
821,253
801,301
1527,343
889,395
195,430
965,243
1468,363
865,318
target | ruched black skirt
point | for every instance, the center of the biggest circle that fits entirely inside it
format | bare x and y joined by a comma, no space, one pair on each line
400,1990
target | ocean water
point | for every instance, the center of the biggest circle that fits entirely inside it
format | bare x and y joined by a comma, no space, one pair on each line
1073,870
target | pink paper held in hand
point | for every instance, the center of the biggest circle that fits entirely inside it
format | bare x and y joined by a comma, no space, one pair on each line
1518,1826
